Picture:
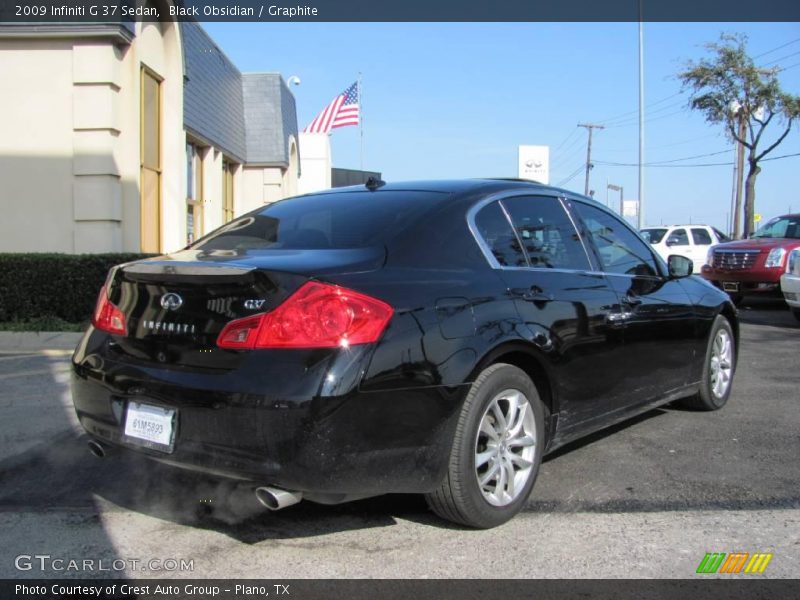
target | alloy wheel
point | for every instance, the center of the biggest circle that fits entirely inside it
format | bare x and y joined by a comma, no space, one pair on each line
505,447
721,363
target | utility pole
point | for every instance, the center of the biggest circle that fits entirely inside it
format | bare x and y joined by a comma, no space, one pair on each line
640,209
589,127
739,174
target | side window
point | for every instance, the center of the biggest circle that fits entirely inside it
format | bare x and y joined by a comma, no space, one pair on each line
721,236
701,237
546,232
621,251
494,228
678,238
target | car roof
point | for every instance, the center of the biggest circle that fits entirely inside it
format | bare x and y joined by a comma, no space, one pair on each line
461,187
670,226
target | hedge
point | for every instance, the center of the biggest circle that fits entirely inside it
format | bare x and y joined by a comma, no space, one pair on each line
46,286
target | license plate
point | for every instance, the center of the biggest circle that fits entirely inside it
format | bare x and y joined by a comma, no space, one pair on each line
150,426
730,286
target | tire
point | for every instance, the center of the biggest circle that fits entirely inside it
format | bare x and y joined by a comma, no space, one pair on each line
713,394
461,498
736,299
796,313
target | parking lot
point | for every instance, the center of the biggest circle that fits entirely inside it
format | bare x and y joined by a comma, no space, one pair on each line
647,498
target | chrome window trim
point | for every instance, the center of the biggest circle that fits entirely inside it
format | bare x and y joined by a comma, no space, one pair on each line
565,208
487,251
661,265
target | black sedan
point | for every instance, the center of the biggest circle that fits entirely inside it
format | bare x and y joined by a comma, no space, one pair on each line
428,337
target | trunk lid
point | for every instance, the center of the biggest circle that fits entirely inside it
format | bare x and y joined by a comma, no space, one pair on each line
176,306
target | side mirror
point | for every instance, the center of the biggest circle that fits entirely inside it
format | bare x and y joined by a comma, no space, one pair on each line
673,241
679,266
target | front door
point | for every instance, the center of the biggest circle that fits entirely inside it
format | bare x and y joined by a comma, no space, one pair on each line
656,312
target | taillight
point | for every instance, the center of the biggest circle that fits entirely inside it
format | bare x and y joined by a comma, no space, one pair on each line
318,315
107,316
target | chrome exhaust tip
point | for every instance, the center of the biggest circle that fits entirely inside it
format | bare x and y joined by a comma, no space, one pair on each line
275,498
97,449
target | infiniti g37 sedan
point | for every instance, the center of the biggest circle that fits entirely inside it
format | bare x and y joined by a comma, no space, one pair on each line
432,337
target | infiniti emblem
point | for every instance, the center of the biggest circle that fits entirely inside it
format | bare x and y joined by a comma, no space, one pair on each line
171,301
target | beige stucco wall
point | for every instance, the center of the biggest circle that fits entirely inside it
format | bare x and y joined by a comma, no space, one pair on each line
70,146
36,146
261,185
69,149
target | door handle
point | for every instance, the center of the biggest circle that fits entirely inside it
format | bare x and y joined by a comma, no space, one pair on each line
536,294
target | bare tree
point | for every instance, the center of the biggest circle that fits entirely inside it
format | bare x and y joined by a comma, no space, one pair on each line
729,88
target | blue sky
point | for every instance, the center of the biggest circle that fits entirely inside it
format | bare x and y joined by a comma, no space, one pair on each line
445,100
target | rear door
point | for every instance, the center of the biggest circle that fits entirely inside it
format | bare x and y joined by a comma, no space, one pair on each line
656,312
702,242
564,305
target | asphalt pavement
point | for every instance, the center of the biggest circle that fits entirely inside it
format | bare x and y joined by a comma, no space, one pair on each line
647,498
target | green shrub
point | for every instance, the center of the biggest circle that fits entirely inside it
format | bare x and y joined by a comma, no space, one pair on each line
41,287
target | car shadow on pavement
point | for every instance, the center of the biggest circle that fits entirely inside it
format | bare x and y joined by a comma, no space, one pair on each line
63,475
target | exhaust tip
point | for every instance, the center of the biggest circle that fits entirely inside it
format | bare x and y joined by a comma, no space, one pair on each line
275,498
97,449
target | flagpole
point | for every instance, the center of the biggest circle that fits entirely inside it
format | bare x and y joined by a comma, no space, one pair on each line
361,118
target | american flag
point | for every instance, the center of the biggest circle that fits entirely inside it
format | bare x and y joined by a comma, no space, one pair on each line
341,112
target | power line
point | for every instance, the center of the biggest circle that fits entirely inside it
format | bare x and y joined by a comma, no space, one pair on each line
718,164
616,122
772,62
564,141
777,48
633,112
567,152
570,177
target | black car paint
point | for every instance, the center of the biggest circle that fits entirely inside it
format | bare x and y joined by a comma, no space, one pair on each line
341,423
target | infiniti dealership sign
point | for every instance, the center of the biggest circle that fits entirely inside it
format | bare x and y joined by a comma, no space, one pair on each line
534,163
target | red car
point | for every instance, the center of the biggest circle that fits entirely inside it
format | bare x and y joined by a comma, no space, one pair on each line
754,265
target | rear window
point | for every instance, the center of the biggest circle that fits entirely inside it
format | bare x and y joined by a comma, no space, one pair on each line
324,221
653,236
701,237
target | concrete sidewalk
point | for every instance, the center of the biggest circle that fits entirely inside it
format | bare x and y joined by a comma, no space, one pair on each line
34,341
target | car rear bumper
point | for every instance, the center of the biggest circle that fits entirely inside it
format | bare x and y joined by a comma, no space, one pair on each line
351,443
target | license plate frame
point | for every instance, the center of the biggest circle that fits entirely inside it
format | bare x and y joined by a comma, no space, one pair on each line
150,426
730,286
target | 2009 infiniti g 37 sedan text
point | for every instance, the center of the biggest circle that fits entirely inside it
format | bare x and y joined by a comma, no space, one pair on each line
432,337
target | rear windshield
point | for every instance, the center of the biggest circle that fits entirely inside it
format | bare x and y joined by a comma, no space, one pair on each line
324,221
653,236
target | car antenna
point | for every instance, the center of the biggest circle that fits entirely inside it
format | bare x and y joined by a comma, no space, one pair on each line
373,183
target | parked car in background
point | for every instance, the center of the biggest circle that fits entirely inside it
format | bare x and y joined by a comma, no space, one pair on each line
754,265
790,282
430,337
691,241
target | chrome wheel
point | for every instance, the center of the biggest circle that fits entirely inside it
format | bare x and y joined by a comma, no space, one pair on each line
721,363
505,447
